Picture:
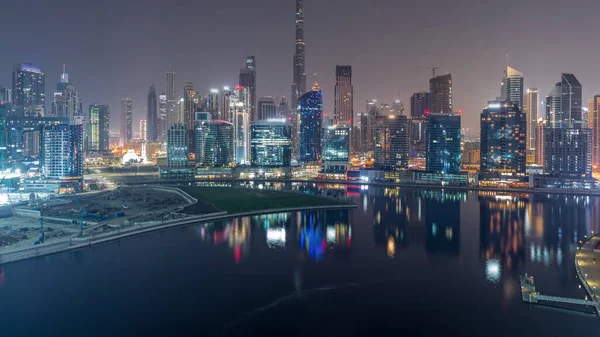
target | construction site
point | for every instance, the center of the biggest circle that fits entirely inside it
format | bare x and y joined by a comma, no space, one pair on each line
44,220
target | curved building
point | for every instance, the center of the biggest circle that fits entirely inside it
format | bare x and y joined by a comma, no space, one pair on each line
310,108
217,143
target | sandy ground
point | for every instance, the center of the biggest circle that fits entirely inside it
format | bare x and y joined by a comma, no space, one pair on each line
102,212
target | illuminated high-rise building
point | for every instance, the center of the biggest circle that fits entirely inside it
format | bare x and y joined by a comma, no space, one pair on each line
173,110
503,138
66,101
271,143
177,150
126,127
336,148
248,80
511,88
143,129
61,151
266,108
440,89
98,128
29,91
443,154
344,96
152,115
530,109
367,122
218,143
283,109
5,95
419,108
594,125
567,144
539,141
192,101
420,104
3,134
310,108
299,74
391,142
162,117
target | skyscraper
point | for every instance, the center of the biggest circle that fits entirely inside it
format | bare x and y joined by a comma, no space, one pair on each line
162,117
126,120
391,142
66,101
172,100
367,122
567,146
299,79
218,143
3,134
336,148
248,80
61,151
344,96
98,139
192,101
310,108
540,126
143,129
271,143
594,125
443,143
29,91
266,108
152,115
440,88
5,95
511,88
283,109
177,150
420,104
503,138
530,109
563,104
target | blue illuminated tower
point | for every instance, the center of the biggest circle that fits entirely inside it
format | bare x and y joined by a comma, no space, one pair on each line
310,108
443,143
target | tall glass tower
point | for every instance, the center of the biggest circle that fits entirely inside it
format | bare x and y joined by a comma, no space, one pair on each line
344,100
126,119
443,143
152,115
29,90
440,88
310,108
511,88
299,81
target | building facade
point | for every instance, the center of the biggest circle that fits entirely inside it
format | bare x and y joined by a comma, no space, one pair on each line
267,109
440,88
539,141
566,152
299,73
503,138
61,151
66,101
336,148
126,127
511,88
443,143
248,80
310,109
530,109
420,104
391,142
162,117
218,143
152,115
594,125
4,154
271,143
344,96
28,91
98,135
177,150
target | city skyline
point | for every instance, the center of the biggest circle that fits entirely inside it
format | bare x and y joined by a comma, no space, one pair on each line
103,77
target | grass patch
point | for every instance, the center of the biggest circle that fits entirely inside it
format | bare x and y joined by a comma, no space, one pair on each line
234,200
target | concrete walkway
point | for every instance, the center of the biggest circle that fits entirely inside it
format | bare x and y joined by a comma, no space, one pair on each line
587,264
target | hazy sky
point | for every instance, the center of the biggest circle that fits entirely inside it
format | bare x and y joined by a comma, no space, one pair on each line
118,48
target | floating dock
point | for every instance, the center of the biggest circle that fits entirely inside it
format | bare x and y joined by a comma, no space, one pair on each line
530,295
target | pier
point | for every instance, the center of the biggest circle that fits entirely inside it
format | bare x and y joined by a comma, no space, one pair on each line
530,295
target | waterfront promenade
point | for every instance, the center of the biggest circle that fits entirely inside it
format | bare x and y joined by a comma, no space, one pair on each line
70,244
587,263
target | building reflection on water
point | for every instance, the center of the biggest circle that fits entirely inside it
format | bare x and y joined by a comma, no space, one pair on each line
442,219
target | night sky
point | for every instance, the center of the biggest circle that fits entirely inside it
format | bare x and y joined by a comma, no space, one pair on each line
118,48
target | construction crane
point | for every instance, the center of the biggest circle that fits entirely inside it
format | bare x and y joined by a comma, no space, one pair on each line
433,69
